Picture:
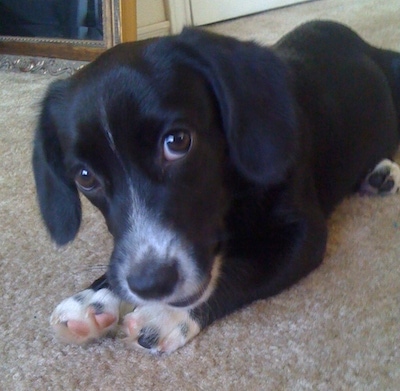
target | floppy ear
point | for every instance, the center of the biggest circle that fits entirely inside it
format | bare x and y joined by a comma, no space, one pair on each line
57,194
257,110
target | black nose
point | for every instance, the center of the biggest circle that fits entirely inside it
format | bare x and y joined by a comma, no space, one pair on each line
152,280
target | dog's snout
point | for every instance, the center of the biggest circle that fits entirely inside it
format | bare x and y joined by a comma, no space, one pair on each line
152,281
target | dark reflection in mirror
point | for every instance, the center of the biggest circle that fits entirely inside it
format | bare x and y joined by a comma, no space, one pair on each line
66,19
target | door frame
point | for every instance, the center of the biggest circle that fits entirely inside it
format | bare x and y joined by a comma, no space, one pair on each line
180,14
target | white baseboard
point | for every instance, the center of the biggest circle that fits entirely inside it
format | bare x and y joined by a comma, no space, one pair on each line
154,30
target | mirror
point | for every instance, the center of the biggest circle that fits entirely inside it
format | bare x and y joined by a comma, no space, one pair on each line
67,29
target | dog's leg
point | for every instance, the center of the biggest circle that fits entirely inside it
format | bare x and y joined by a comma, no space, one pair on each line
95,312
88,315
295,250
160,328
384,179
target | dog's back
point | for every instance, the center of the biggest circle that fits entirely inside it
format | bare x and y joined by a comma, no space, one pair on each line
348,94
389,61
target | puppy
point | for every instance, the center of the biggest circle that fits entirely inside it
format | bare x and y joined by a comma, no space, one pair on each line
216,164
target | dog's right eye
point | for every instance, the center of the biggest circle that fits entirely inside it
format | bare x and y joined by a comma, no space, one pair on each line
86,180
177,144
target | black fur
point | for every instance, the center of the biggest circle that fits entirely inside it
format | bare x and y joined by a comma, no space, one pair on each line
281,136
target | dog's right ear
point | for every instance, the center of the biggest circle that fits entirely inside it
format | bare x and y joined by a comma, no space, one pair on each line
257,109
57,194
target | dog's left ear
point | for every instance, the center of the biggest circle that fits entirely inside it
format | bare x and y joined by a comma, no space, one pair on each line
257,109
57,194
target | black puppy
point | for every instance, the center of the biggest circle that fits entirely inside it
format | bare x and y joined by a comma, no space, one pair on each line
215,163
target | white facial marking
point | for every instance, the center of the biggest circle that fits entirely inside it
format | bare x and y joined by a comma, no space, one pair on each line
147,235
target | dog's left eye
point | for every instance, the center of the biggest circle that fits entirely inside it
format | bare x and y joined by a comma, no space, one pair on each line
177,144
86,180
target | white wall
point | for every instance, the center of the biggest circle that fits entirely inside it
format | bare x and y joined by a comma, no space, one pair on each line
161,17
210,11
150,12
152,18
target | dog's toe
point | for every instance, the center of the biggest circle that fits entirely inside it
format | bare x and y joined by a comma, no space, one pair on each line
159,328
149,337
86,316
383,180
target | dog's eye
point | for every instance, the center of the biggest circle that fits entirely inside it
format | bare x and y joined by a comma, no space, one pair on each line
177,144
86,181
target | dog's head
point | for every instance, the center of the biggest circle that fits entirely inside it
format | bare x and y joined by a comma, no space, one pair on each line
152,133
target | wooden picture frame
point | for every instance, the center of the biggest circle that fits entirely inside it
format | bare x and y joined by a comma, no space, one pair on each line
119,25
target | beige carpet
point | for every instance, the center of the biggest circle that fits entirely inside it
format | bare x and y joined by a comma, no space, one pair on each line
339,329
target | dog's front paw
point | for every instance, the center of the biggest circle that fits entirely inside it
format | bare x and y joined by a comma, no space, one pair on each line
384,179
159,328
86,316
